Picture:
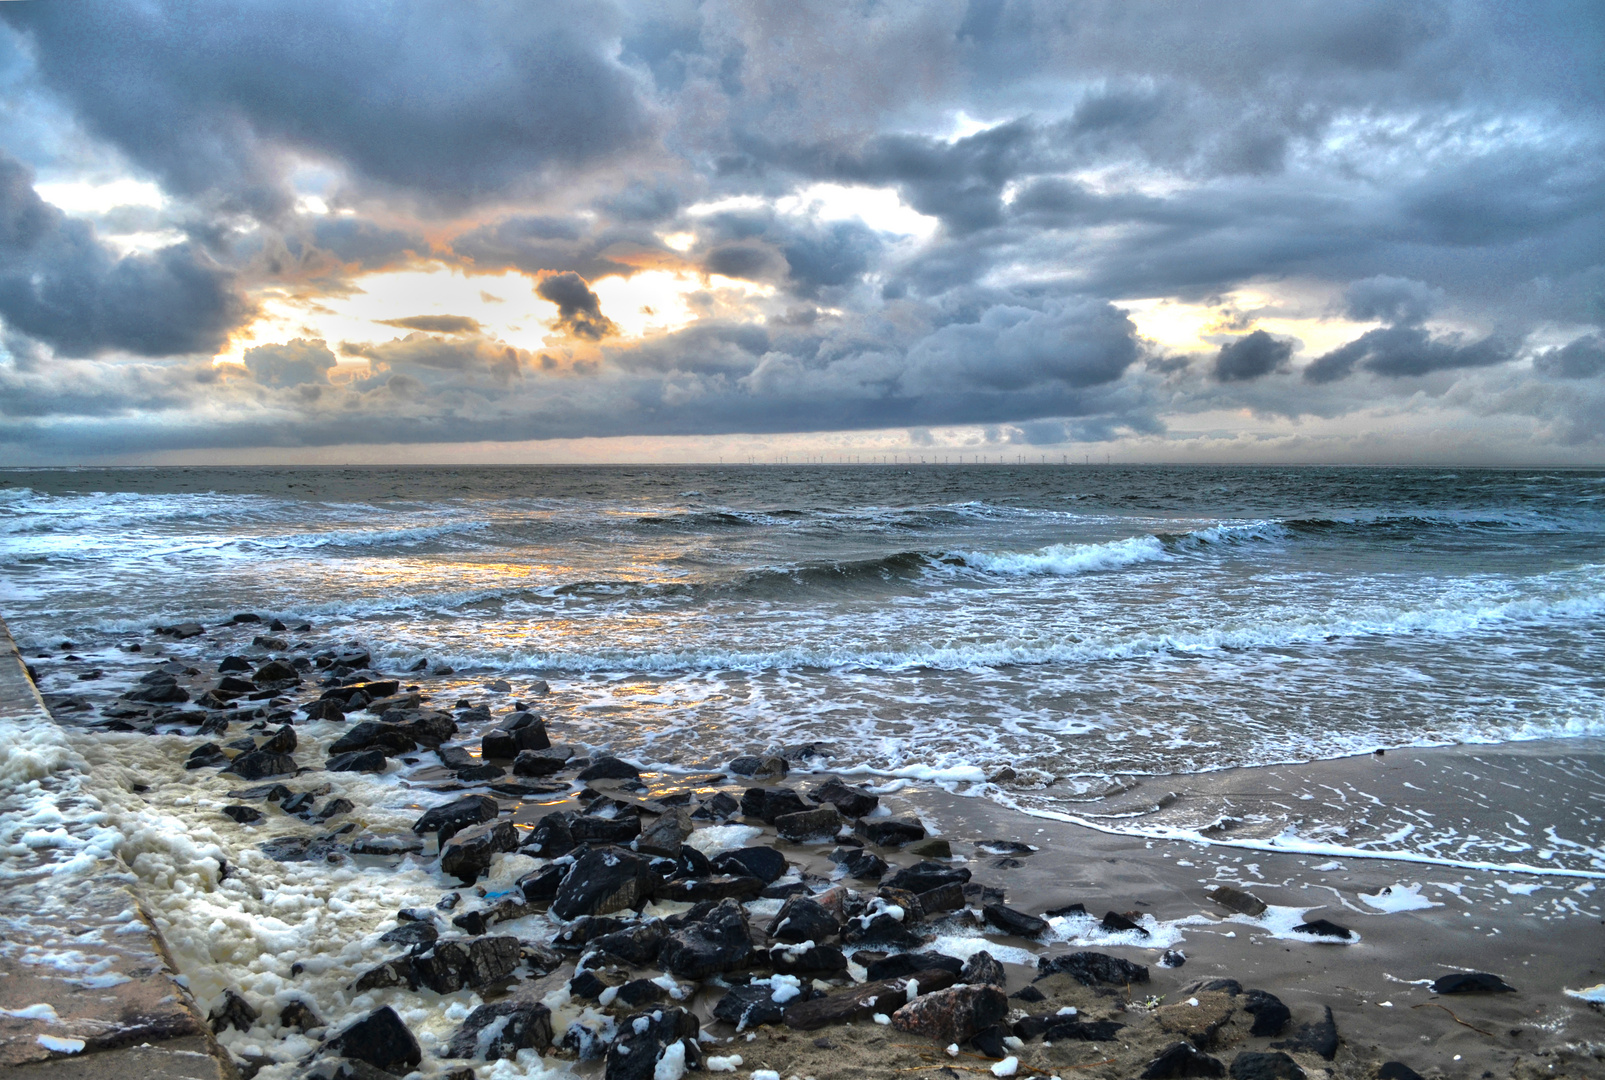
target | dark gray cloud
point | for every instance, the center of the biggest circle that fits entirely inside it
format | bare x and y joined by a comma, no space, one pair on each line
1390,299
579,310
1402,351
1251,356
1582,358
435,324
61,285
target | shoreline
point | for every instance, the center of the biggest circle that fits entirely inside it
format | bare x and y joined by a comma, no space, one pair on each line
202,871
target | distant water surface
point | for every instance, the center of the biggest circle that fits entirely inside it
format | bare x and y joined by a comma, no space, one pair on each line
1074,623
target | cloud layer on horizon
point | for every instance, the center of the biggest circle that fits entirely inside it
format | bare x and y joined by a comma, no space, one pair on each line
1091,221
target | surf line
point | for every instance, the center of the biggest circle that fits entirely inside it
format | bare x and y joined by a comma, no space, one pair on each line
1300,847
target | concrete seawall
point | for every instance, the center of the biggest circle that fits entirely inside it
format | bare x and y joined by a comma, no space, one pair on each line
86,986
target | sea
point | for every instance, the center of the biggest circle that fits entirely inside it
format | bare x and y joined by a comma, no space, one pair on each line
1040,634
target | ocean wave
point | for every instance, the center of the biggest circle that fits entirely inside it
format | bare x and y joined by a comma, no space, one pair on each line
1066,559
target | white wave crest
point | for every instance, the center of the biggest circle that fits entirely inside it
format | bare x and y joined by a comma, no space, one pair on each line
1065,560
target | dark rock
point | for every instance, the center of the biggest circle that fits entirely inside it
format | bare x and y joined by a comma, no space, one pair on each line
816,824
767,804
161,693
357,761
233,687
925,876
749,1006
639,992
716,808
1270,1015
275,672
1276,1065
1055,1028
764,863
932,848
1014,922
245,815
718,942
453,757
269,642
509,742
540,887
1237,900
470,853
283,741
258,764
478,774
802,919
299,849
381,1040
583,931
325,710
234,663
426,728
859,1002
399,703
899,965
299,804
521,1025
233,1012
1116,923
646,1038
1397,1070
1230,987
271,792
1320,1038
182,630
537,763
1172,958
1471,982
719,887
988,1042
1028,994
452,965
412,933
591,828
369,690
1324,928
889,832
551,836
592,983
299,1016
451,818
1091,968
1181,1059
246,617
820,960
952,1015
942,899
860,864
609,768
372,734
334,808
851,801
602,881
982,969
761,768
637,944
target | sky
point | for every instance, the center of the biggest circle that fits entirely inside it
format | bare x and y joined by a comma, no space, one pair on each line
467,230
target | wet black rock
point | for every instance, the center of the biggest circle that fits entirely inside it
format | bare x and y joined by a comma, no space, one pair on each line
762,768
1324,928
647,1038
808,959
451,818
956,1014
1116,923
233,1012
259,764
283,741
668,834
1471,982
357,761
591,828
276,672
518,1025
233,663
925,876
1275,1065
803,919
478,774
1056,1028
1397,1070
900,964
166,692
540,887
1320,1038
716,808
636,944
764,863
604,767
889,832
232,687
718,887
983,969
601,881
299,804
299,1016
455,757
1270,1015
820,823
718,942
333,809
1028,994
324,710
989,1042
853,802
374,735
245,815
749,1006
470,852
1091,968
860,864
300,849
523,731
1014,922
551,837
182,630
379,1039
1182,1059
412,933
767,804
537,763
271,792
453,963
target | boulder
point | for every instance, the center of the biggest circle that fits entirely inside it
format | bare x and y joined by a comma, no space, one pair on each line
767,767
749,1006
458,962
764,863
1270,1015
808,958
276,672
540,888
1471,982
802,919
860,1002
380,1039
233,663
1319,1038
767,804
982,969
1197,1018
1014,922
932,848
954,1015
1237,900
851,801
282,741
371,735
605,767
718,942
718,887
470,853
1324,928
1055,1028
655,1045
668,834
244,815
233,1012
889,832
1397,1070
593,828
551,836
819,823
603,880
325,710
899,965
1182,1059
1092,968
257,764
357,761
942,899
537,763
299,1016
636,944
1116,923
500,1030
1275,1065
924,876
451,818
860,864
